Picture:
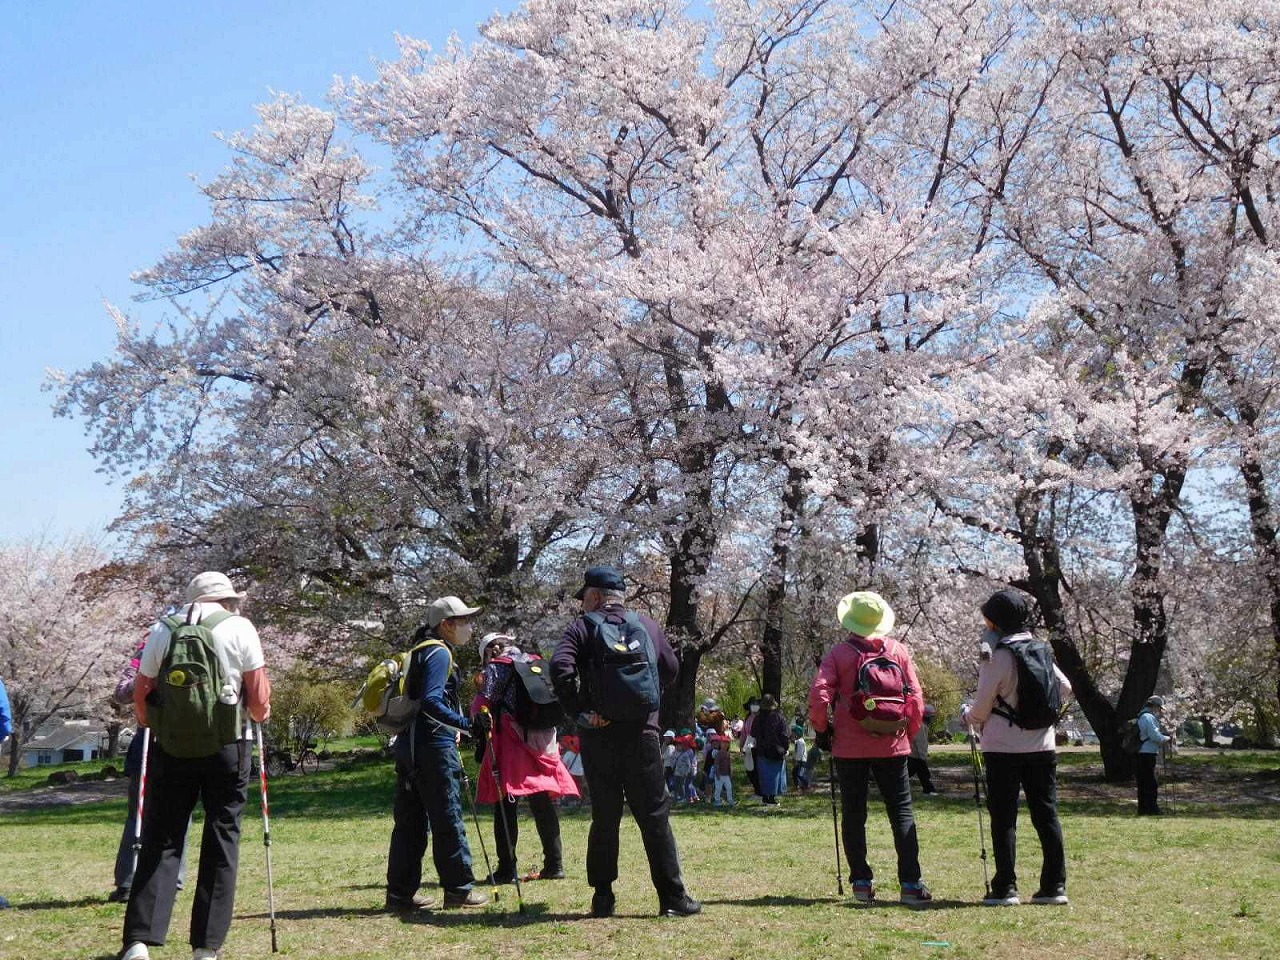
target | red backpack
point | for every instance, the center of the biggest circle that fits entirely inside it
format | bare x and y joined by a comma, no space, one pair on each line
881,702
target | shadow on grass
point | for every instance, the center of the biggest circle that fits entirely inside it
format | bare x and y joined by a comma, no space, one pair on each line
504,914
772,900
58,904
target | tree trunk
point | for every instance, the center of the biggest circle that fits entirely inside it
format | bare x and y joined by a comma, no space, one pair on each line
1261,524
773,640
113,740
1207,729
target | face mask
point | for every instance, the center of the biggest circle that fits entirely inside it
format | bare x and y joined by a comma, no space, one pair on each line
755,708
462,633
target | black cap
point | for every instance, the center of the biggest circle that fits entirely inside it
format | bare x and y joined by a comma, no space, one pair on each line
1008,610
603,578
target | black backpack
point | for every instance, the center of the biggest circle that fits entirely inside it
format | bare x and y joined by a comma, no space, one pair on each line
1039,692
536,705
622,668
1131,737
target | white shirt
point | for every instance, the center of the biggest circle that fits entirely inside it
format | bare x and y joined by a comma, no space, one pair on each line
235,639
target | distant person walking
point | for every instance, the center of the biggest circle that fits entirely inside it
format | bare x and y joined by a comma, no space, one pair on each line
1154,742
867,686
1018,757
608,671
199,753
772,744
918,762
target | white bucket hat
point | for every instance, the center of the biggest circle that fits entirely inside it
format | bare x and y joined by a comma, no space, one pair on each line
210,585
446,608
505,638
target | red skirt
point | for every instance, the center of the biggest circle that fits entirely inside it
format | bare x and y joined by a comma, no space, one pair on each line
525,770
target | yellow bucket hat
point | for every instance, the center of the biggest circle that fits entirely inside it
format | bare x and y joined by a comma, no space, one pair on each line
865,613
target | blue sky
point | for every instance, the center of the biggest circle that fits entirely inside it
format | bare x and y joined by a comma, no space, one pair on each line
106,112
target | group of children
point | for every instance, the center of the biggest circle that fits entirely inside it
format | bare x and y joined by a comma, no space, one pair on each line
699,766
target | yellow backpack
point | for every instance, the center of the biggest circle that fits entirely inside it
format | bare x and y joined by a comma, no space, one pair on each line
389,693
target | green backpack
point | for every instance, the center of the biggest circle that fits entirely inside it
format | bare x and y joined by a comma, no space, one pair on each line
189,718
388,694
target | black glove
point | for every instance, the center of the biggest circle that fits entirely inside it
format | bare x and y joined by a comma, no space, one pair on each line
482,724
822,740
478,746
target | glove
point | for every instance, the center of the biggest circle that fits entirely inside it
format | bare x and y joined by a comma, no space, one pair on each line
482,723
478,746
822,740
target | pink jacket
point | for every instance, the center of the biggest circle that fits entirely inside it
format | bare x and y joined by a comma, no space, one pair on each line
834,685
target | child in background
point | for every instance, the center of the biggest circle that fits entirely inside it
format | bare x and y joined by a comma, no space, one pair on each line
723,761
686,766
669,759
799,759
571,756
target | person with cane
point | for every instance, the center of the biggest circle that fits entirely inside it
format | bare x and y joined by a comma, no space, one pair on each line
201,671
135,768
1155,742
867,698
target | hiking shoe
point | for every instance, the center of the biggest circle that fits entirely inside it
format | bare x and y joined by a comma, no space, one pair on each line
118,895
204,953
465,898
602,903
686,906
864,891
547,873
1001,898
408,904
915,894
499,877
136,951
1056,897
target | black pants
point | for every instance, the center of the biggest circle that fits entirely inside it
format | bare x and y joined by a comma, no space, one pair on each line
547,821
220,783
428,800
919,767
623,763
1036,774
895,789
124,852
1148,786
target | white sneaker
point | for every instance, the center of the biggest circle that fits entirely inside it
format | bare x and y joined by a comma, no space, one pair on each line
204,953
136,951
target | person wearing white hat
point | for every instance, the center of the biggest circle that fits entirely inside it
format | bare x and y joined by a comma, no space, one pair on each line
1154,741
428,800
174,783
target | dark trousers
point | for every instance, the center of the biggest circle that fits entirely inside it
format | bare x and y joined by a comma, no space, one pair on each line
124,853
895,789
1148,786
547,821
428,800
1036,774
919,767
623,763
220,783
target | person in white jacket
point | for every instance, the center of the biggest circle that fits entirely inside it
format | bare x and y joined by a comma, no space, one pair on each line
1016,759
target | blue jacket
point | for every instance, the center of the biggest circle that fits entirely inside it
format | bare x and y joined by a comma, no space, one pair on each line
1149,730
440,714
6,713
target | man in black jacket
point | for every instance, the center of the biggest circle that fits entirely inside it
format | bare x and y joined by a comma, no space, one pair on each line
622,757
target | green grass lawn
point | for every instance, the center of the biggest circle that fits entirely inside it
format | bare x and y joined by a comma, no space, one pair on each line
1203,883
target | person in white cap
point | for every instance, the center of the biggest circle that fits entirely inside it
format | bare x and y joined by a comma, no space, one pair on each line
428,771
1154,741
219,780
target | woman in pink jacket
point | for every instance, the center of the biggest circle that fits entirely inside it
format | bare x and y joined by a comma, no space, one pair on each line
867,704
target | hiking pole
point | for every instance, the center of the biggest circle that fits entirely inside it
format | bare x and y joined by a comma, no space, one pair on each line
978,777
835,818
470,794
502,808
266,837
1168,777
142,799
